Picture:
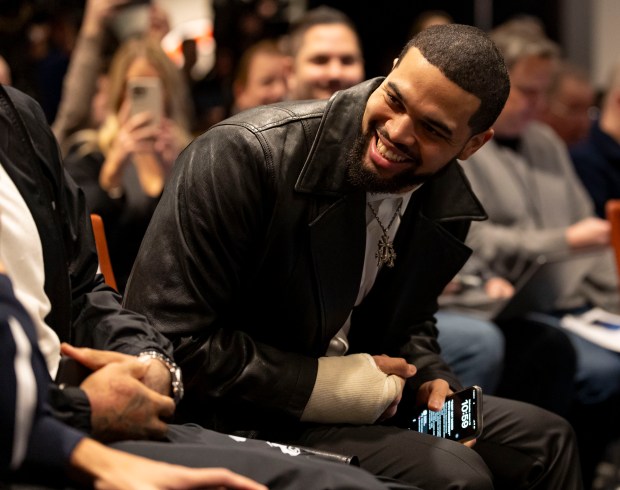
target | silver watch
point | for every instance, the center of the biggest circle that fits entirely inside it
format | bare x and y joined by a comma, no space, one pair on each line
176,388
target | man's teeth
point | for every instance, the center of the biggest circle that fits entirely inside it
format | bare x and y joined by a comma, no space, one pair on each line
387,153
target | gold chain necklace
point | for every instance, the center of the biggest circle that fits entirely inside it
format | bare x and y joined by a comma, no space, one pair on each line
385,250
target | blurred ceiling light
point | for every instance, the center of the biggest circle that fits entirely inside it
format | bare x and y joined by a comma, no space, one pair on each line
190,20
200,31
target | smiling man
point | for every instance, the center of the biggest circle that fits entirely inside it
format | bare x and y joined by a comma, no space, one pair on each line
295,262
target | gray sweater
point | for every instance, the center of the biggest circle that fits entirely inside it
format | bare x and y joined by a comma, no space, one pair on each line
531,196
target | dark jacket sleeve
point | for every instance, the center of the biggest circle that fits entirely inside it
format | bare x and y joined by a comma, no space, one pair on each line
85,311
190,273
30,434
96,318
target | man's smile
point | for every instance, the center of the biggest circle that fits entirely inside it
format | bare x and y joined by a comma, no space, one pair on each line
385,156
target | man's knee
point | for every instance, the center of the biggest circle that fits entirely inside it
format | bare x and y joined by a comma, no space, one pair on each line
418,459
447,464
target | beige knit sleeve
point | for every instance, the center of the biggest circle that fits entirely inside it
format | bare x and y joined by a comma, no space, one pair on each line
351,389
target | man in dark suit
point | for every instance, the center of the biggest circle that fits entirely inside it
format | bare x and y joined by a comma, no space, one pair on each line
296,258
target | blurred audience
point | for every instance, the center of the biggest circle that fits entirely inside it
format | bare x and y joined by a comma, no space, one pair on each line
536,205
429,18
570,103
260,77
326,54
123,165
597,158
84,87
36,40
237,25
85,71
523,25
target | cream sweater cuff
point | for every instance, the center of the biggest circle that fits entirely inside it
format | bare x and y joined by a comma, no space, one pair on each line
350,389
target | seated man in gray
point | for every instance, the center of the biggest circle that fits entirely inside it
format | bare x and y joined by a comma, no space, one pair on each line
537,205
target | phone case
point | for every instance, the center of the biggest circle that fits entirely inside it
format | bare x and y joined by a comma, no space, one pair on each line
145,94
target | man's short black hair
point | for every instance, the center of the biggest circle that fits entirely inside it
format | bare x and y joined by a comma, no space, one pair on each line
467,56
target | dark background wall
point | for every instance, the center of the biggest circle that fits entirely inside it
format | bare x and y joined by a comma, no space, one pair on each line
384,25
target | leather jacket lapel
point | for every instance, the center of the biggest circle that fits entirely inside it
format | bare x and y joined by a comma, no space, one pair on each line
336,255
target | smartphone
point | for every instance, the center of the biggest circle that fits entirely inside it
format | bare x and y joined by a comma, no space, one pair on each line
145,95
460,419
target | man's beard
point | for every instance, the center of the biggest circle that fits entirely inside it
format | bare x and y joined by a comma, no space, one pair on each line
369,181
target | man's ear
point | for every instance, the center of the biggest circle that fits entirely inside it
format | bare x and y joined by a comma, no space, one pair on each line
475,143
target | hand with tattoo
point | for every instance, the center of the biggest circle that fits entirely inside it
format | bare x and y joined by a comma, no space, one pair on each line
122,405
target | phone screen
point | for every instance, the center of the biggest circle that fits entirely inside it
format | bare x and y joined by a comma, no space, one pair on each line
460,419
145,95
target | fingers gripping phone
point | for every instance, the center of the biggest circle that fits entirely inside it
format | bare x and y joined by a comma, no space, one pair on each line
145,95
460,418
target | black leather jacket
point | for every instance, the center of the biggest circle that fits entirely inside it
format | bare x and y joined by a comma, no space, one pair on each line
253,260
84,310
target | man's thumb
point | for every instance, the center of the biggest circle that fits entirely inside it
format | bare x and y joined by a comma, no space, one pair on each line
138,367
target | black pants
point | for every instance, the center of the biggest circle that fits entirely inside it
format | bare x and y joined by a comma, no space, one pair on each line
540,365
522,446
276,466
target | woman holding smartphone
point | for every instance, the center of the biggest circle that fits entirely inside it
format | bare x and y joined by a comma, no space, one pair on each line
123,165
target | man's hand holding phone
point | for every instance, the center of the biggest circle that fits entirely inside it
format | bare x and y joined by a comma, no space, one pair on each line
432,394
456,416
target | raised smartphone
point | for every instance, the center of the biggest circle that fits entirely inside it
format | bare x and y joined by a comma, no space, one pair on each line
145,95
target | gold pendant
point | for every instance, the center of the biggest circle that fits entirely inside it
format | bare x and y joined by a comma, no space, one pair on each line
385,252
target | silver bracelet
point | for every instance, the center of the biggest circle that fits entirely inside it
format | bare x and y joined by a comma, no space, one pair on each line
176,388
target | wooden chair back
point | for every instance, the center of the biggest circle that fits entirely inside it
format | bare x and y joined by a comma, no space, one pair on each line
612,212
102,250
